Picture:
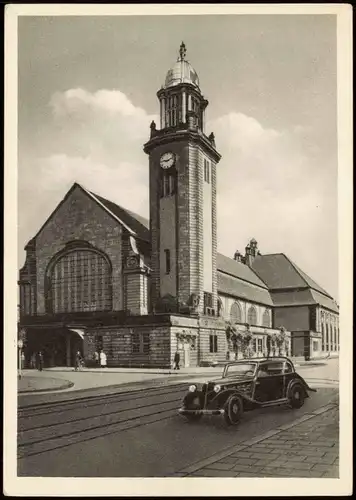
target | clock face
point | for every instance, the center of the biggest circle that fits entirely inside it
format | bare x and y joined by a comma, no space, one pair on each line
131,262
167,160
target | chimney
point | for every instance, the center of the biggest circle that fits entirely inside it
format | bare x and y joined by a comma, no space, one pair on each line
251,251
238,256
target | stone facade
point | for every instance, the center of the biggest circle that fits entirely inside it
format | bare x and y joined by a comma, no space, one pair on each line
79,218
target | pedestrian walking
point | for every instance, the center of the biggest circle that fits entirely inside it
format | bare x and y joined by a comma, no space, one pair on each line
78,361
176,361
40,361
102,359
33,360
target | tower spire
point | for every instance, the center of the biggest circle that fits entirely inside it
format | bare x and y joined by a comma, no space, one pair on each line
182,52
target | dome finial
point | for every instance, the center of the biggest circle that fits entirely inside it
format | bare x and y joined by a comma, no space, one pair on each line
182,51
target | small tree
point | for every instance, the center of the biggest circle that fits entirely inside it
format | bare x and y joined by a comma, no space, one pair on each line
281,339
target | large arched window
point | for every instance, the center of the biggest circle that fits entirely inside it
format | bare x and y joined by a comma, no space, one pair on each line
252,316
79,279
266,320
322,337
235,313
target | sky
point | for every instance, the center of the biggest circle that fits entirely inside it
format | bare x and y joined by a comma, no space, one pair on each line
87,94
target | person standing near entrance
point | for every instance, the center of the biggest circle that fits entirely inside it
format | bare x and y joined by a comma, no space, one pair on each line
96,358
102,359
176,361
78,361
40,361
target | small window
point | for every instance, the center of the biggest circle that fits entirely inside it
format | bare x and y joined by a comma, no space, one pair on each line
288,368
207,171
259,345
168,184
213,343
140,343
275,368
208,299
168,261
135,343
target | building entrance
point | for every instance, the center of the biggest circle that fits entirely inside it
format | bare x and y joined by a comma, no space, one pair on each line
58,346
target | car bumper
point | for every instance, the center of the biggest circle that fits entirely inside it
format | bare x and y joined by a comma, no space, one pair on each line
185,411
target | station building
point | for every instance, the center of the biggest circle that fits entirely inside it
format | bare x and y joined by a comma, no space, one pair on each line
99,277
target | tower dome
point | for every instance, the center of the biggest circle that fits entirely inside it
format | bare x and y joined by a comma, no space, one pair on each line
182,71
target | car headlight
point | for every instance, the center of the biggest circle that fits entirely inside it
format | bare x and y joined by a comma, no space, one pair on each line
192,388
217,388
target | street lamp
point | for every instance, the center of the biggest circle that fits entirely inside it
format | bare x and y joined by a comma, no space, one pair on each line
20,346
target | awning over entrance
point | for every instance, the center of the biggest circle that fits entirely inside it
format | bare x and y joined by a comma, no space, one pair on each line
78,331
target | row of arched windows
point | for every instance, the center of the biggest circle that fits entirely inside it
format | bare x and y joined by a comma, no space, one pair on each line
236,315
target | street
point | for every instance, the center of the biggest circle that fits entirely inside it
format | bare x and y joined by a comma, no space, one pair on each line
140,434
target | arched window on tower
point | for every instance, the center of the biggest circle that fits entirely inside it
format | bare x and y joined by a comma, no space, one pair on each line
252,316
235,313
78,280
266,319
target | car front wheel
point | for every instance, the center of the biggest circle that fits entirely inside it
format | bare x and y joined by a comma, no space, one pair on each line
296,396
233,410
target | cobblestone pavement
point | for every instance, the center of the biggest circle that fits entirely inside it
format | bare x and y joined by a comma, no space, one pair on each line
309,447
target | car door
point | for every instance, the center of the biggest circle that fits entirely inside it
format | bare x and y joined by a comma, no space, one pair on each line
270,381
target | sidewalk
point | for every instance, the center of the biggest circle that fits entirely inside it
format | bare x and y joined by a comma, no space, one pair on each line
96,378
27,384
308,447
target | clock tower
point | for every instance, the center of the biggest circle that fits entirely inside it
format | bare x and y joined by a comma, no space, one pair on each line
182,184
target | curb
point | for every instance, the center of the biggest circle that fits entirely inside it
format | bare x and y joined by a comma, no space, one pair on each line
75,397
52,389
245,444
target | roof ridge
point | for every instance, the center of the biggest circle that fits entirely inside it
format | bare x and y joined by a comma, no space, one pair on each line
298,271
129,211
95,197
239,277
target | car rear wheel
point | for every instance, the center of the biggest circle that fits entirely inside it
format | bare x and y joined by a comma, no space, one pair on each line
233,410
296,396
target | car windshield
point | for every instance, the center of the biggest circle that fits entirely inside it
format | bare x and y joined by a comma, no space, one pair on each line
240,369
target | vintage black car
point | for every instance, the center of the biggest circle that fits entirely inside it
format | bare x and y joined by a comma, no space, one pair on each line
246,385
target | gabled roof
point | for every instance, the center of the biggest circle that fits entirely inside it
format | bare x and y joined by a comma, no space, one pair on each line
279,272
238,270
138,224
239,289
135,224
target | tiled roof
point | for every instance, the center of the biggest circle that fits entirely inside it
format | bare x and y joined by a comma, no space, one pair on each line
138,224
278,271
325,301
306,297
238,269
235,287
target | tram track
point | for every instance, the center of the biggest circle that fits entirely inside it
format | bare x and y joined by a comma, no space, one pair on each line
53,407
37,438
48,436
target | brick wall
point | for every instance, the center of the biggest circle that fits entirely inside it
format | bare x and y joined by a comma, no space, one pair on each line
79,217
117,345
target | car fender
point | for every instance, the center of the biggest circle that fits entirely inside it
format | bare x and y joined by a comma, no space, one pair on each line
299,380
226,393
